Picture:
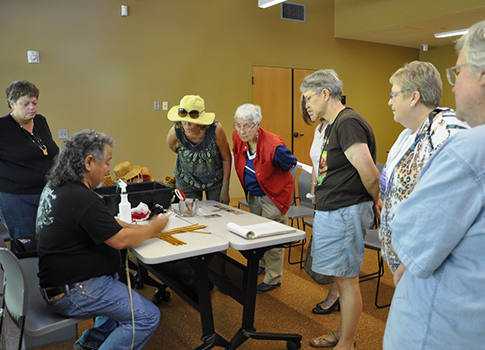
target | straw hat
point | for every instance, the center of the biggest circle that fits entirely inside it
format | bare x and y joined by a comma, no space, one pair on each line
134,176
192,110
146,174
108,181
122,169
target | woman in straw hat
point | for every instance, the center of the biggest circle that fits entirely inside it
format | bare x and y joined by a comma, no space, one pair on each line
203,155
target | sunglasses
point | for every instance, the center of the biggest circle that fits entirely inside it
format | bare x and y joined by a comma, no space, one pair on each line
193,114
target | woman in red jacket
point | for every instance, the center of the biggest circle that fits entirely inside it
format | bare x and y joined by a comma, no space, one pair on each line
262,162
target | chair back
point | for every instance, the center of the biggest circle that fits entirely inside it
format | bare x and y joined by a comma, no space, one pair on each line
294,172
380,167
304,187
16,289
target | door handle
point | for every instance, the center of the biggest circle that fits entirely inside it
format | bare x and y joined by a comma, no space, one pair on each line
297,134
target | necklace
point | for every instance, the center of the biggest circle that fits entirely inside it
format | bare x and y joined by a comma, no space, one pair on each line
33,136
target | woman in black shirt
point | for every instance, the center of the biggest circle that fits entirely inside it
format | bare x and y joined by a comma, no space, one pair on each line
27,151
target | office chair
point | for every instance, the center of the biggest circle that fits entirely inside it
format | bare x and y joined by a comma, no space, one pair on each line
38,324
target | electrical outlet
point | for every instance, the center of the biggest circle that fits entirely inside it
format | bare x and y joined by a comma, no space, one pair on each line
165,105
156,106
62,134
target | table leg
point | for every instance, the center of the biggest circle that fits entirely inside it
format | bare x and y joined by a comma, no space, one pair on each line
201,300
249,305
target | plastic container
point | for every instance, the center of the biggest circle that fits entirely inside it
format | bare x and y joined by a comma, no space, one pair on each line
150,193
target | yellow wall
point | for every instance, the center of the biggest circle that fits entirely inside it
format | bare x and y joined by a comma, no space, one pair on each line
355,16
102,71
443,57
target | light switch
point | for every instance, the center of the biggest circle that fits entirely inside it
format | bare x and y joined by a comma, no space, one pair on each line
165,105
124,10
33,56
156,106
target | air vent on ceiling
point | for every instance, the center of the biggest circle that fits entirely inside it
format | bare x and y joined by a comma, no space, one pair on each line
293,12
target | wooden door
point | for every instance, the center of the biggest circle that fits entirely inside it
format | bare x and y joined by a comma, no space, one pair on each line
277,91
302,132
272,91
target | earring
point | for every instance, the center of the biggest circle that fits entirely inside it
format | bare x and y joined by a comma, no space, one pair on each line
411,105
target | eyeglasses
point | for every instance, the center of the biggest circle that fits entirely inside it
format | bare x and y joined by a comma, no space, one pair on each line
452,73
395,93
308,98
193,114
244,128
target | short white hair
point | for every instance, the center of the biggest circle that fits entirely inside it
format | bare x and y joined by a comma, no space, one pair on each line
249,111
474,45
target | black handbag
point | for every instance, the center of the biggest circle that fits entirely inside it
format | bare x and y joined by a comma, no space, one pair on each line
319,278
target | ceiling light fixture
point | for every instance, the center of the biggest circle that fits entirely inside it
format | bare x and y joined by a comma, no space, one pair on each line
451,33
267,3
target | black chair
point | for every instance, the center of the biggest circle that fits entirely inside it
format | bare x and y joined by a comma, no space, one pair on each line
242,202
304,209
371,241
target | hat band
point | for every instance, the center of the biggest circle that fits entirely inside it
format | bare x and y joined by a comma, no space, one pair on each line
193,114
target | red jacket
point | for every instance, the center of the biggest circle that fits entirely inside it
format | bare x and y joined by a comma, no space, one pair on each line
277,184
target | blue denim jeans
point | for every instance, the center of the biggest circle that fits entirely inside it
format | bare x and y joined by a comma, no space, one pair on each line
18,213
108,298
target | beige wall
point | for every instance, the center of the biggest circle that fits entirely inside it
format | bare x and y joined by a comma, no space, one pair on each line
102,71
354,16
443,57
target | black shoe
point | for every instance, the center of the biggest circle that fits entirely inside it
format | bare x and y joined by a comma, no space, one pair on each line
260,270
263,287
319,310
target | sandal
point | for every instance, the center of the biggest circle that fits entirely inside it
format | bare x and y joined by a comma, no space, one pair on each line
319,310
324,343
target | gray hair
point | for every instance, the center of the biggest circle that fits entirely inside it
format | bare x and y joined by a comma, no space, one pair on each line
474,45
69,163
304,113
20,88
323,79
249,111
420,76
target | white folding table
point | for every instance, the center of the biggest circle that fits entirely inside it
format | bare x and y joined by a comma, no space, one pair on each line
209,264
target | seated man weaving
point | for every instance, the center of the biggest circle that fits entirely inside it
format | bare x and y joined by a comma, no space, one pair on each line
78,246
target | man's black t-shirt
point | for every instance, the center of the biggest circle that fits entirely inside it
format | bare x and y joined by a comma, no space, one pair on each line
72,224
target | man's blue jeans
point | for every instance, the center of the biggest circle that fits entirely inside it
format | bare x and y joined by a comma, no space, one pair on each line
108,298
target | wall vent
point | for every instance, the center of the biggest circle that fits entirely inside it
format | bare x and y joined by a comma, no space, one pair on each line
293,12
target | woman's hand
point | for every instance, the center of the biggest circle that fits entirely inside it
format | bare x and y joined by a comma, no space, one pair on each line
398,274
378,208
224,196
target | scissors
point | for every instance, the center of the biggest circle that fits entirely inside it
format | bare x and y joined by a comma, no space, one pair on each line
180,194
